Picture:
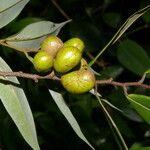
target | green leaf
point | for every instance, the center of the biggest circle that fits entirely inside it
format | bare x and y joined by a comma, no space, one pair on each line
146,16
147,71
130,21
32,35
16,104
111,72
121,31
10,9
113,126
133,57
138,146
112,19
87,31
18,25
142,105
68,115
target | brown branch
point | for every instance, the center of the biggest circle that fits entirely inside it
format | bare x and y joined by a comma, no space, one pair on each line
121,84
52,76
34,77
60,9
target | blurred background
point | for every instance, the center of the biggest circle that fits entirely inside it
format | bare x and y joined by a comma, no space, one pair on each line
95,22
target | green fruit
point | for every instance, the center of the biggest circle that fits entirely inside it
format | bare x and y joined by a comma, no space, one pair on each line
75,42
66,59
42,61
51,45
78,82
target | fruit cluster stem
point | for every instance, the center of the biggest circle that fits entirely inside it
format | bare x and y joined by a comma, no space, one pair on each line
52,76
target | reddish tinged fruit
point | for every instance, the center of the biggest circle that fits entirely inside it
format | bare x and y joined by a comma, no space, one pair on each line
51,45
42,61
66,59
78,82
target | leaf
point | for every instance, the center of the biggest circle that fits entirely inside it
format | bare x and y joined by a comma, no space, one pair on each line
129,22
86,31
113,126
18,25
10,9
142,105
112,19
146,16
138,146
16,104
32,35
121,31
68,115
147,71
111,72
133,57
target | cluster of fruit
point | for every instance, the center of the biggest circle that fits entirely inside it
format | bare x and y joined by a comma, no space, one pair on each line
66,59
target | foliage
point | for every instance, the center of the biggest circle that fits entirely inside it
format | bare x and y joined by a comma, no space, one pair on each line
96,115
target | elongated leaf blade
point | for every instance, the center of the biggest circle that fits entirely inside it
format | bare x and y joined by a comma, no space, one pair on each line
129,22
16,104
32,35
142,105
133,57
68,115
10,9
121,31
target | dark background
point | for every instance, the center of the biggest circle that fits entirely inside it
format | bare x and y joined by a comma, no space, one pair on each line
95,22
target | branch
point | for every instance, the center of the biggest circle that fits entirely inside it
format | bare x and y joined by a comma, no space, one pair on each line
60,9
52,76
125,84
34,77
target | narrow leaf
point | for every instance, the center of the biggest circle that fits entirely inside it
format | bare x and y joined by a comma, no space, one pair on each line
113,126
16,104
68,115
129,22
10,9
142,105
121,31
133,57
32,35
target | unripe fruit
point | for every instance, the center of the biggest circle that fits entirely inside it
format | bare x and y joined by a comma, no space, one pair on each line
51,45
66,59
75,42
42,61
78,82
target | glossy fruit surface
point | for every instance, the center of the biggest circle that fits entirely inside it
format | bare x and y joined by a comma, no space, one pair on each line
42,61
51,45
78,82
75,42
66,59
